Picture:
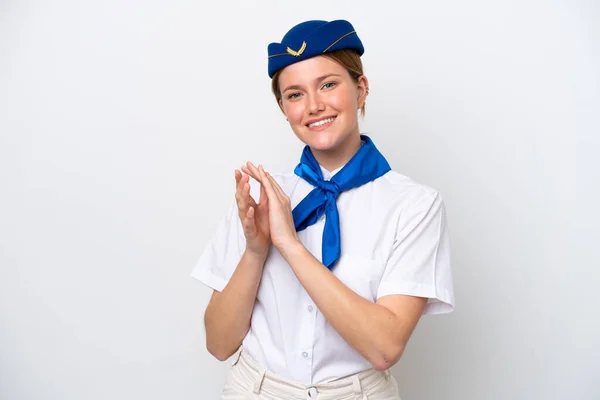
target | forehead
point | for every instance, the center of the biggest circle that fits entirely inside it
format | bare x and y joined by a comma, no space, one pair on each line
308,70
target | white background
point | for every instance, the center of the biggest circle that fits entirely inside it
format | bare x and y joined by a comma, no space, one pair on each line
121,123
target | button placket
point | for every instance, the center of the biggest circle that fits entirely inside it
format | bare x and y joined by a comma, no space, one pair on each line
306,336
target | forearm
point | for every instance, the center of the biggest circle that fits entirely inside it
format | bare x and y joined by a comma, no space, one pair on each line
227,316
373,330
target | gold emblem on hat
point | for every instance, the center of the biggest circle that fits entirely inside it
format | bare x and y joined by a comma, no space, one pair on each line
299,52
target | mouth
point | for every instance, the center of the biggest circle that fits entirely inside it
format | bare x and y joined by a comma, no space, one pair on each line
321,124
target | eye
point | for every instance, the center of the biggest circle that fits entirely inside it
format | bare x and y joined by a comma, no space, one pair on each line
293,96
328,85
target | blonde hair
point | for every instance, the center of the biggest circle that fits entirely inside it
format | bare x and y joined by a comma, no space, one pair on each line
347,58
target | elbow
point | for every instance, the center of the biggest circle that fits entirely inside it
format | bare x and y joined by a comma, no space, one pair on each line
387,358
218,352
219,348
221,357
219,345
222,345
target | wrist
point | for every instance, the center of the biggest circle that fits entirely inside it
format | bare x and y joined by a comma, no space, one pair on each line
291,249
256,256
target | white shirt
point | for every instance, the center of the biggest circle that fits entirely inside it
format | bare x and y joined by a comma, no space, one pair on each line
393,241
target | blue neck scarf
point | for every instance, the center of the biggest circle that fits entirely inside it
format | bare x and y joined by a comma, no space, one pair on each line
365,166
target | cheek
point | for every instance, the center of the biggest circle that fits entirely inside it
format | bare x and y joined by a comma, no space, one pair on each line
295,112
343,101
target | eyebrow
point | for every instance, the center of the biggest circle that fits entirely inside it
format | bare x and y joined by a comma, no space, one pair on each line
319,79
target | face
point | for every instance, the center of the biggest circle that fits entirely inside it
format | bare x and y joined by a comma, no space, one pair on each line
320,101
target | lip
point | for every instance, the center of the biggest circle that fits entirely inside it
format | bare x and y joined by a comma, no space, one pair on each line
319,119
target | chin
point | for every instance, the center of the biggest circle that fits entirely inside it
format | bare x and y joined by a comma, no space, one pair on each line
322,141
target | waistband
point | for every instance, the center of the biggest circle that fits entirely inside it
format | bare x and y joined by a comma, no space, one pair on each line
262,379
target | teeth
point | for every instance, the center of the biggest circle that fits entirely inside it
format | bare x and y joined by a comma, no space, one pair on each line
321,122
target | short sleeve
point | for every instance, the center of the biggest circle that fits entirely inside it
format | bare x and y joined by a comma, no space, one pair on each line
223,252
419,263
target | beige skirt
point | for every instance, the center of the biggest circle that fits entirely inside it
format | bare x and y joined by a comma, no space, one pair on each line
248,380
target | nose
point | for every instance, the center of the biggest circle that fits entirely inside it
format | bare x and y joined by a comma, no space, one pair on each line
315,103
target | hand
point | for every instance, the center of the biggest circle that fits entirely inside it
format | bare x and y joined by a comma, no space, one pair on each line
254,217
281,221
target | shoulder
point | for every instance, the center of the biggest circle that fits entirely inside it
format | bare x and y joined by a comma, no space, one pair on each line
402,191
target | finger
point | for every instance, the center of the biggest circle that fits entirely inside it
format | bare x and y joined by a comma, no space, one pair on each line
263,195
249,201
247,171
251,170
273,185
266,183
278,188
238,185
255,171
256,177
243,198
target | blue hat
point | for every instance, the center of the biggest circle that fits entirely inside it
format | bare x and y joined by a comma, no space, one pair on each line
312,38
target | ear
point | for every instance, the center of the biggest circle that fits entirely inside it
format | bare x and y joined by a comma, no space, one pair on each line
280,102
362,90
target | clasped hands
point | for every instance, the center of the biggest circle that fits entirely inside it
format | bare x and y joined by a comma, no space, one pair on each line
268,221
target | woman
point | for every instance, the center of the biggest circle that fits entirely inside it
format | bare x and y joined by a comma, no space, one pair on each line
322,281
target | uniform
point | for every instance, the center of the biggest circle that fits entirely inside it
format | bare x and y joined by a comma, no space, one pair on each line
393,239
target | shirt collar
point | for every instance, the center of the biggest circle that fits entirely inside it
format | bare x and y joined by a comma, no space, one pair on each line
328,175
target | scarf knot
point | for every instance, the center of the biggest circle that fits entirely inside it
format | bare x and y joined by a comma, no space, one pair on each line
365,166
330,187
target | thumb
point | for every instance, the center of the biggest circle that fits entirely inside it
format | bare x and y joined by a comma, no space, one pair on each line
249,225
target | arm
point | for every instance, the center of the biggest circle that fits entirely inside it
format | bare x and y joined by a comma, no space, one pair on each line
378,331
227,316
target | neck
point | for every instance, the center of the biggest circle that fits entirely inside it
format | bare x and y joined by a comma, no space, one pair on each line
335,158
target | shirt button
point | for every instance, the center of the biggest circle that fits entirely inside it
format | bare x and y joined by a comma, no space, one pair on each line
310,308
305,354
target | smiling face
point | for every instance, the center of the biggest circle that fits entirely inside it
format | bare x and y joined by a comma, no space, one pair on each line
320,100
